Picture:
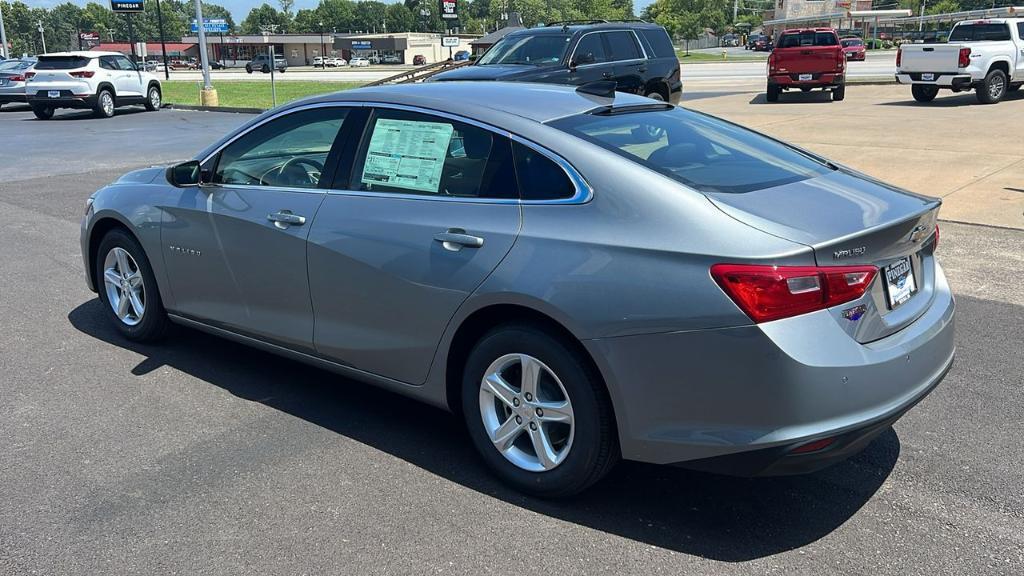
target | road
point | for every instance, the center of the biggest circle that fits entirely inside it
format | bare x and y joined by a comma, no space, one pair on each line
200,456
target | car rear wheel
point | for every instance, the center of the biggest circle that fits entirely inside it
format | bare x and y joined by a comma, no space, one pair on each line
248,69
993,88
924,92
127,288
537,412
265,69
839,93
772,94
153,99
104,104
42,112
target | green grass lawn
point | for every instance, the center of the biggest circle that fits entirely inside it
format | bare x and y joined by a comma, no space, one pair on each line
704,57
250,93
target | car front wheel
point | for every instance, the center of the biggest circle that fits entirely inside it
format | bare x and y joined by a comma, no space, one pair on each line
127,288
537,412
153,99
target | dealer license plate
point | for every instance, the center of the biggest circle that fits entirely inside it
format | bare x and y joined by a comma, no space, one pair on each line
806,77
927,77
899,281
53,93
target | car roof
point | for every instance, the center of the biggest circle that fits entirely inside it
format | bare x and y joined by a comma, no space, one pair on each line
572,28
82,54
487,102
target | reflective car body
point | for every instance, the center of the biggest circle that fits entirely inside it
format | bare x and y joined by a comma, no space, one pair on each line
369,285
12,79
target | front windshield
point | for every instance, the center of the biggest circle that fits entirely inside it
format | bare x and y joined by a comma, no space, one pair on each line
535,49
852,42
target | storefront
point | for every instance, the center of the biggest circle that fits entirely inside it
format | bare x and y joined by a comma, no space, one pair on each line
236,50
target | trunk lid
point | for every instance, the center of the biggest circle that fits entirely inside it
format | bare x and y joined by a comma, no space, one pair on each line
848,218
929,57
807,59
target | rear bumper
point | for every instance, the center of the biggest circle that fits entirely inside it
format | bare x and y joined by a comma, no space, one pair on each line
817,81
65,101
940,80
738,400
7,98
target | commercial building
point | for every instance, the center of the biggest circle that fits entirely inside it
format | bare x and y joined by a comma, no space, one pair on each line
153,50
234,50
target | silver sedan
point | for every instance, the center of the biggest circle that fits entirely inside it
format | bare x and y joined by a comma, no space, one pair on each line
581,275
13,74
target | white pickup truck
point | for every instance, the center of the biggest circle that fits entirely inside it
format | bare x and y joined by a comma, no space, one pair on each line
984,55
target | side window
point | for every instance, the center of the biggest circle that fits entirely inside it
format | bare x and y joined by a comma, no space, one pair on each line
124,63
412,153
659,42
623,46
1020,30
590,50
107,63
539,177
289,151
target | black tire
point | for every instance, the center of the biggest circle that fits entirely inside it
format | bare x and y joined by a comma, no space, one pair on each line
42,112
153,324
150,105
655,95
772,95
101,109
924,92
594,449
265,69
248,69
839,93
992,88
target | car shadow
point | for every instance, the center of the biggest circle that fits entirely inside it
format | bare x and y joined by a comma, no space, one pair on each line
73,114
14,107
796,97
951,100
715,517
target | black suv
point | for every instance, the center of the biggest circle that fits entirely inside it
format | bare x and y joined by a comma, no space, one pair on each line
637,55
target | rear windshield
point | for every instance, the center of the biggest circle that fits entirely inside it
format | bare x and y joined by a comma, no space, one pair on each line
978,32
61,62
809,38
537,49
702,152
659,42
15,65
852,42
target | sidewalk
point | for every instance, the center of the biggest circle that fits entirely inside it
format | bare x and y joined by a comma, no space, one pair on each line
968,154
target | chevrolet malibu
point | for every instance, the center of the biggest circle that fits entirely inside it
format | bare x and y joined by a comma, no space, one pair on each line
581,275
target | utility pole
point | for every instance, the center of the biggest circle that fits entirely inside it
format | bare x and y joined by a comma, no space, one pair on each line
163,44
208,96
42,35
323,55
735,9
920,23
3,35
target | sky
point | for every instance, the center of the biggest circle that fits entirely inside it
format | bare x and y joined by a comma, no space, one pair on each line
239,8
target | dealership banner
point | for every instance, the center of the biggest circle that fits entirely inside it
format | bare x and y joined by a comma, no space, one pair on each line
449,9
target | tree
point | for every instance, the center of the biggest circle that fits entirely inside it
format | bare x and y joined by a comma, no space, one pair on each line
370,16
264,16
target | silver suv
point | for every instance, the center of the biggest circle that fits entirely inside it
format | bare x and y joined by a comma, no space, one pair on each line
100,81
262,63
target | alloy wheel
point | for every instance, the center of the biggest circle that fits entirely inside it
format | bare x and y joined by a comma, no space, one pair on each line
526,412
154,98
996,87
107,103
126,292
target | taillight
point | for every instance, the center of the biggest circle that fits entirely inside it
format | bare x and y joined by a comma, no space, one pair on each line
771,62
29,75
935,243
899,56
82,74
965,58
768,293
17,78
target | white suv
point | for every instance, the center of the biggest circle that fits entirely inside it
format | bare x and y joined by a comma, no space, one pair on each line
97,80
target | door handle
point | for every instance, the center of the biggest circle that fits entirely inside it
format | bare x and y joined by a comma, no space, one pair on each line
456,239
285,218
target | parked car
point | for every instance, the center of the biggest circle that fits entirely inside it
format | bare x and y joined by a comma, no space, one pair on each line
12,79
986,56
359,62
337,62
155,66
101,81
419,60
729,40
375,59
807,59
854,49
461,56
582,276
318,61
392,59
638,56
261,62
760,43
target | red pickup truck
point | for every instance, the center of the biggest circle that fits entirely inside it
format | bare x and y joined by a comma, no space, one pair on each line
807,58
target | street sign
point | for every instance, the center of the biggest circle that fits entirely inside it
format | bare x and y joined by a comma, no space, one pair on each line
211,26
450,41
450,9
127,6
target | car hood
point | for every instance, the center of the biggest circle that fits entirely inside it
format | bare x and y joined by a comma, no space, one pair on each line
142,176
821,211
488,72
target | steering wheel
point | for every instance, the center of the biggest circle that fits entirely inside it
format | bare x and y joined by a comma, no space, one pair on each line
295,162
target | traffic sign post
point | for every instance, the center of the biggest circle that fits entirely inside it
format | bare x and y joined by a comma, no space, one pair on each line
208,96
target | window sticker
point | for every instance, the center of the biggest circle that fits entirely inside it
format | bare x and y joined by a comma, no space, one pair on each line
407,154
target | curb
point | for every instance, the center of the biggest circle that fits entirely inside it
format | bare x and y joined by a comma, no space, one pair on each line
228,109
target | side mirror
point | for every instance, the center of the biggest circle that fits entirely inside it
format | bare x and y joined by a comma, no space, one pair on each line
185,175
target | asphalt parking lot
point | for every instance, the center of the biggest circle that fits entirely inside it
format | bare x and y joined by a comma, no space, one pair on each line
201,456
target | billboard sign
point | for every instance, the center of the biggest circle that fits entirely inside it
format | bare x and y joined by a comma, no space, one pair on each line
449,9
215,26
127,6
450,41
89,39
